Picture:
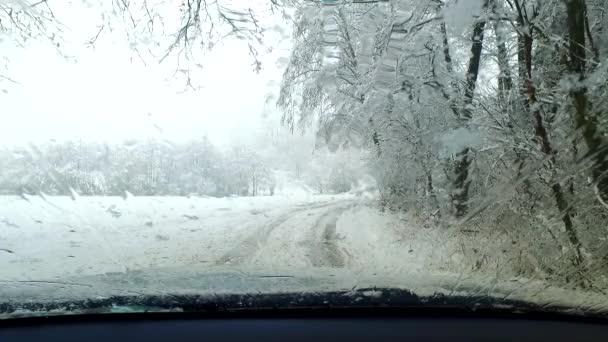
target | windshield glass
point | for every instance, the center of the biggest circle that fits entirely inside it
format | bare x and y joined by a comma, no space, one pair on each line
156,147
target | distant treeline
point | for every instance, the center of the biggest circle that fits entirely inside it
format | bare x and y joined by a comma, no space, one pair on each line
160,168
141,168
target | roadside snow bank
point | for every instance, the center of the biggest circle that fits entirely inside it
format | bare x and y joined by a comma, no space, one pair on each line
374,240
397,243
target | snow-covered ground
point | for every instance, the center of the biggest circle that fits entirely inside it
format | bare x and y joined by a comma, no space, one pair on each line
54,237
57,237
45,241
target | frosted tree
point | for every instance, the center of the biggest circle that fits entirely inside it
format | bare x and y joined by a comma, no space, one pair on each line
490,110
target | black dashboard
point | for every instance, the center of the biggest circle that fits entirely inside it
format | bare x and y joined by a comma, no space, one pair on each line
361,325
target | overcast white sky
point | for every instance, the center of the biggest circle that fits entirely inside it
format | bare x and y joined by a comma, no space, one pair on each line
108,94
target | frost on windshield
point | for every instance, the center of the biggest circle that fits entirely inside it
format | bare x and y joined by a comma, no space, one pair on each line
455,146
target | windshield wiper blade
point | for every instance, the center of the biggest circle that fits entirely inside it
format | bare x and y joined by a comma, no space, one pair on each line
247,302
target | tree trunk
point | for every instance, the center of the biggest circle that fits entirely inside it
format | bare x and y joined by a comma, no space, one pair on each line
542,138
460,195
473,67
447,57
524,61
505,83
446,48
586,120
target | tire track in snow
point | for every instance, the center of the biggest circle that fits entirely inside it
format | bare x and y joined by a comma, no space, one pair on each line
248,247
323,249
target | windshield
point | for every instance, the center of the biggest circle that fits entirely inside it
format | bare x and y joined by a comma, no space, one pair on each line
155,147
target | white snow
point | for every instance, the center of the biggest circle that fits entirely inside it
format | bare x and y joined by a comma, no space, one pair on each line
343,238
395,244
460,15
54,237
288,186
454,141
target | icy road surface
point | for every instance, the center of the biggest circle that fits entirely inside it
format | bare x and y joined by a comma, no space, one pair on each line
54,237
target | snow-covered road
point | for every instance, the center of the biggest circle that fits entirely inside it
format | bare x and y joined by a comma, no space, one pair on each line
304,236
55,237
